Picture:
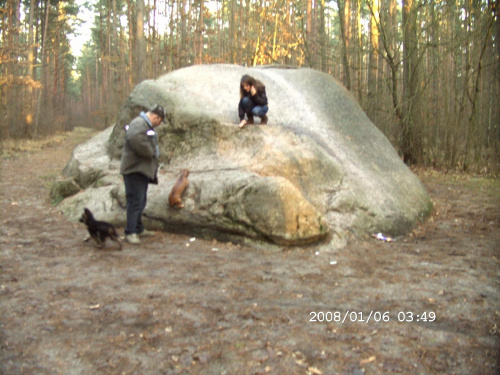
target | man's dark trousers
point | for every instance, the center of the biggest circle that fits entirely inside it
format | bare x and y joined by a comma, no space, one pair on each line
136,190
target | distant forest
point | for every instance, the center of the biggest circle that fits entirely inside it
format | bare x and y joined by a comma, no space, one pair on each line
427,73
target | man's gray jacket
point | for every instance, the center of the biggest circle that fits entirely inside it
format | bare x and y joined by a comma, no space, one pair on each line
140,151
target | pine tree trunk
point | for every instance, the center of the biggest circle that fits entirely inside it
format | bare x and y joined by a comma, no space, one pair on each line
140,68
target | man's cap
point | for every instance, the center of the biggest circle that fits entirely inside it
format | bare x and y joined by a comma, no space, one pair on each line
160,111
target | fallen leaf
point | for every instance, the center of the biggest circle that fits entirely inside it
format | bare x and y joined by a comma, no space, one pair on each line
315,371
368,360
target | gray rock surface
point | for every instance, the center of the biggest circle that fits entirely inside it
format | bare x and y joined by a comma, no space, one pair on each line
319,168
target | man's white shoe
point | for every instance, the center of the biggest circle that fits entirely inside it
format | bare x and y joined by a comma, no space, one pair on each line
133,238
146,233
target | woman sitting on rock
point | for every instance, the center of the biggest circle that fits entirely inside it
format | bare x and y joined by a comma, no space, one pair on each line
253,101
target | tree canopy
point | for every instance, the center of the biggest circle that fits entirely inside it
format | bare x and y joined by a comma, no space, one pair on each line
427,73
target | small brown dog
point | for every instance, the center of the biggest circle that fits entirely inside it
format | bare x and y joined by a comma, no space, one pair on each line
174,199
99,230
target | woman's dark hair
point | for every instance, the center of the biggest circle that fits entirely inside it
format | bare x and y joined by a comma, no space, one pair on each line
246,80
249,80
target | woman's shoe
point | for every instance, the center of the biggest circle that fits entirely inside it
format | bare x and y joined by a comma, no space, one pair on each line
263,121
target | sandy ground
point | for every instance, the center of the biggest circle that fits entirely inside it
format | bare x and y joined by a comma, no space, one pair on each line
428,303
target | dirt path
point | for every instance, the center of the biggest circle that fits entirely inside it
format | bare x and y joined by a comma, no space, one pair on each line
428,303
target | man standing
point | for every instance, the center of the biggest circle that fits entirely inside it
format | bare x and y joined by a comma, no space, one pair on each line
139,167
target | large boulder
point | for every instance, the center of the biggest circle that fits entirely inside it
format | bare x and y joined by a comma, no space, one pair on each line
320,167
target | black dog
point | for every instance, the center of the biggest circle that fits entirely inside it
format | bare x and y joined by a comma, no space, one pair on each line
99,230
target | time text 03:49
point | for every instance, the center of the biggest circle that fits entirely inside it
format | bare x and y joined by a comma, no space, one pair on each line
372,316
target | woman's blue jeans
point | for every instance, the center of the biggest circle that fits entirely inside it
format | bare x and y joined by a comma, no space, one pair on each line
246,107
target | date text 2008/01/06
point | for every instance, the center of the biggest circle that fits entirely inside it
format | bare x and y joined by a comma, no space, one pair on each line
372,316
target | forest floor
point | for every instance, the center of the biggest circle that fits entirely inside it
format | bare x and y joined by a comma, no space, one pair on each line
428,303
